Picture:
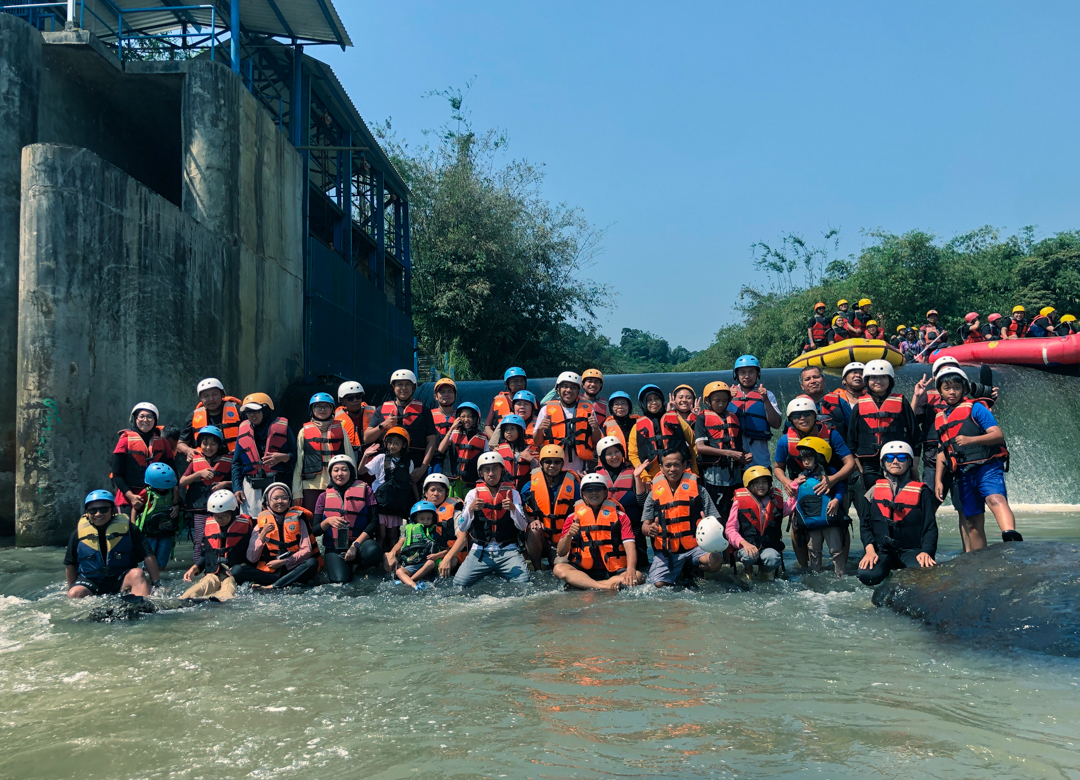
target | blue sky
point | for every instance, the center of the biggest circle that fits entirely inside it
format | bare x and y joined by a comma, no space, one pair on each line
691,131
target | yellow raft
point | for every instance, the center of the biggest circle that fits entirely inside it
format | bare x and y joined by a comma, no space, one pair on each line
841,353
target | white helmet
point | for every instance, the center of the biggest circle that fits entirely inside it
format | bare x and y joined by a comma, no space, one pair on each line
568,376
342,458
221,501
438,478
403,373
801,403
710,535
855,365
943,362
894,447
209,384
605,443
489,458
349,388
879,368
144,406
951,373
595,479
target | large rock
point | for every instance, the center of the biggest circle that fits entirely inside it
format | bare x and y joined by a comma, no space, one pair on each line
1022,594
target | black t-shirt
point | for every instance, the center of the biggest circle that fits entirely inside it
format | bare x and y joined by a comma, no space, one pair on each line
422,427
138,542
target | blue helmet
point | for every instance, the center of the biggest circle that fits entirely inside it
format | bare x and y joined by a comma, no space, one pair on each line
645,390
617,395
423,506
159,476
211,430
745,361
320,398
469,405
512,419
514,371
525,395
99,495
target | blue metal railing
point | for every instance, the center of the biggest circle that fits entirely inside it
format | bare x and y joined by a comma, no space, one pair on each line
165,36
35,17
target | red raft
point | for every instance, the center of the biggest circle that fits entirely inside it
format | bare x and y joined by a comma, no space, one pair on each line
1058,351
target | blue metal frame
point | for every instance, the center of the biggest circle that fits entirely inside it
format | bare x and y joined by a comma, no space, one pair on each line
330,21
280,18
120,37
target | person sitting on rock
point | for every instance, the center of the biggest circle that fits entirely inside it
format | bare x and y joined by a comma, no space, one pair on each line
104,552
896,522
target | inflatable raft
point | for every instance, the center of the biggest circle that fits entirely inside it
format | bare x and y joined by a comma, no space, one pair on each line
1057,351
841,353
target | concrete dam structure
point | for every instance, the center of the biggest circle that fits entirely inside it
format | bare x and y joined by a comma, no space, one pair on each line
168,218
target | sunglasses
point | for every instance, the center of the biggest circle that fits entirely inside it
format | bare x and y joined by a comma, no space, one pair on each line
802,414
101,510
896,456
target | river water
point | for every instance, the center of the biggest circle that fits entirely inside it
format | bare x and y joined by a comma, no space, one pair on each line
803,678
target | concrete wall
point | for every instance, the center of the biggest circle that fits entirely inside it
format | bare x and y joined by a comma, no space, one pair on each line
20,86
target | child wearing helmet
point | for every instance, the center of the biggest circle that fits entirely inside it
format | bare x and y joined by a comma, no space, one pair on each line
395,490
223,546
548,498
159,517
320,439
879,416
756,408
104,552
265,452
490,527
719,445
444,414
346,517
818,517
405,411
569,422
209,469
597,549
626,486
515,380
897,523
417,553
513,447
754,524
353,414
462,447
448,510
683,401
138,446
214,408
972,449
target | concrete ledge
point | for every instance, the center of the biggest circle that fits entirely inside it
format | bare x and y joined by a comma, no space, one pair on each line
84,39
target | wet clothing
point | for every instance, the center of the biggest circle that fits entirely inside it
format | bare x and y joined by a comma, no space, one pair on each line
494,532
199,491
140,550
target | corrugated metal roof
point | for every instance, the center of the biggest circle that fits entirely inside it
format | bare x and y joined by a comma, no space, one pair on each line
310,21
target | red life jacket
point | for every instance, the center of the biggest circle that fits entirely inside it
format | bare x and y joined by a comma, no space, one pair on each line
468,447
443,421
250,456
572,433
230,421
622,487
721,432
880,423
447,528
896,508
358,497
222,468
518,469
412,411
551,506
1018,329
651,442
761,529
830,403
320,447
138,450
491,522
751,410
223,540
599,541
819,326
958,421
821,430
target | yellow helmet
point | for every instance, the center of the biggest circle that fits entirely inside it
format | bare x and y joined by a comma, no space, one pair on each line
865,302
834,319
259,399
755,472
1019,310
871,322
552,451
1046,310
816,444
842,302
901,328
716,387
1068,318
592,373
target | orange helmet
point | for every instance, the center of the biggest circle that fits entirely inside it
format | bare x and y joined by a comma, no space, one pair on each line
552,451
445,381
262,399
592,373
716,387
819,305
398,430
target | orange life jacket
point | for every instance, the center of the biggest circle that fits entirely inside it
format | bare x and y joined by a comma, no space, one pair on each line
678,514
230,421
896,508
958,421
721,432
354,432
761,529
612,428
447,528
222,468
250,456
599,541
552,506
572,434
223,540
502,405
412,411
139,452
881,421
284,537
1018,329
357,499
320,446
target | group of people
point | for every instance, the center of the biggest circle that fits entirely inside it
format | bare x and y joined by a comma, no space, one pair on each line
917,343
606,498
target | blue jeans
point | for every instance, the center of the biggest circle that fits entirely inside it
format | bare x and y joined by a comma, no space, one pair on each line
508,563
766,557
162,549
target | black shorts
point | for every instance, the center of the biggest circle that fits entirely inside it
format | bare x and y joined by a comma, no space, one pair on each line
598,573
106,587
